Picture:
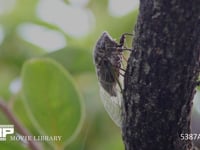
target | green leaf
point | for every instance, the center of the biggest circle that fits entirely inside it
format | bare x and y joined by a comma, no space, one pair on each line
53,103
20,111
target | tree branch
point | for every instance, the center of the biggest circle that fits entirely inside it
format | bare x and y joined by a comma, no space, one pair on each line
161,75
13,119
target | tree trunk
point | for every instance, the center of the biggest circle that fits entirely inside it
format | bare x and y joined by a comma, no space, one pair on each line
161,75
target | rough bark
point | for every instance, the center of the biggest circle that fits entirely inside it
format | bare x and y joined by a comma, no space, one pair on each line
161,75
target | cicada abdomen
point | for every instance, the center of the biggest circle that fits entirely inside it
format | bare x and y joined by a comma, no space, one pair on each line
108,61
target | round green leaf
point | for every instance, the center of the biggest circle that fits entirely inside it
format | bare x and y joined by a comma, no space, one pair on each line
51,99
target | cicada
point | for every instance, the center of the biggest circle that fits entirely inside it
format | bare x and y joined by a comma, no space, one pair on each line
108,56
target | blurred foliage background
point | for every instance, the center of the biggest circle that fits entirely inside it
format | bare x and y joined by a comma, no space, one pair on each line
34,31
47,76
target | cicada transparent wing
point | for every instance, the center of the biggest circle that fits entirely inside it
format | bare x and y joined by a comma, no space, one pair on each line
112,104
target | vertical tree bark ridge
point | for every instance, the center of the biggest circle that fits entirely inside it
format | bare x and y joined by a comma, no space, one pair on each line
161,75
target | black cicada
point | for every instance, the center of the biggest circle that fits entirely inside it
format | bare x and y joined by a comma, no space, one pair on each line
108,63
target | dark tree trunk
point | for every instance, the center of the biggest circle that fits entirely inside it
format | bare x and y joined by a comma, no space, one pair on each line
161,75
